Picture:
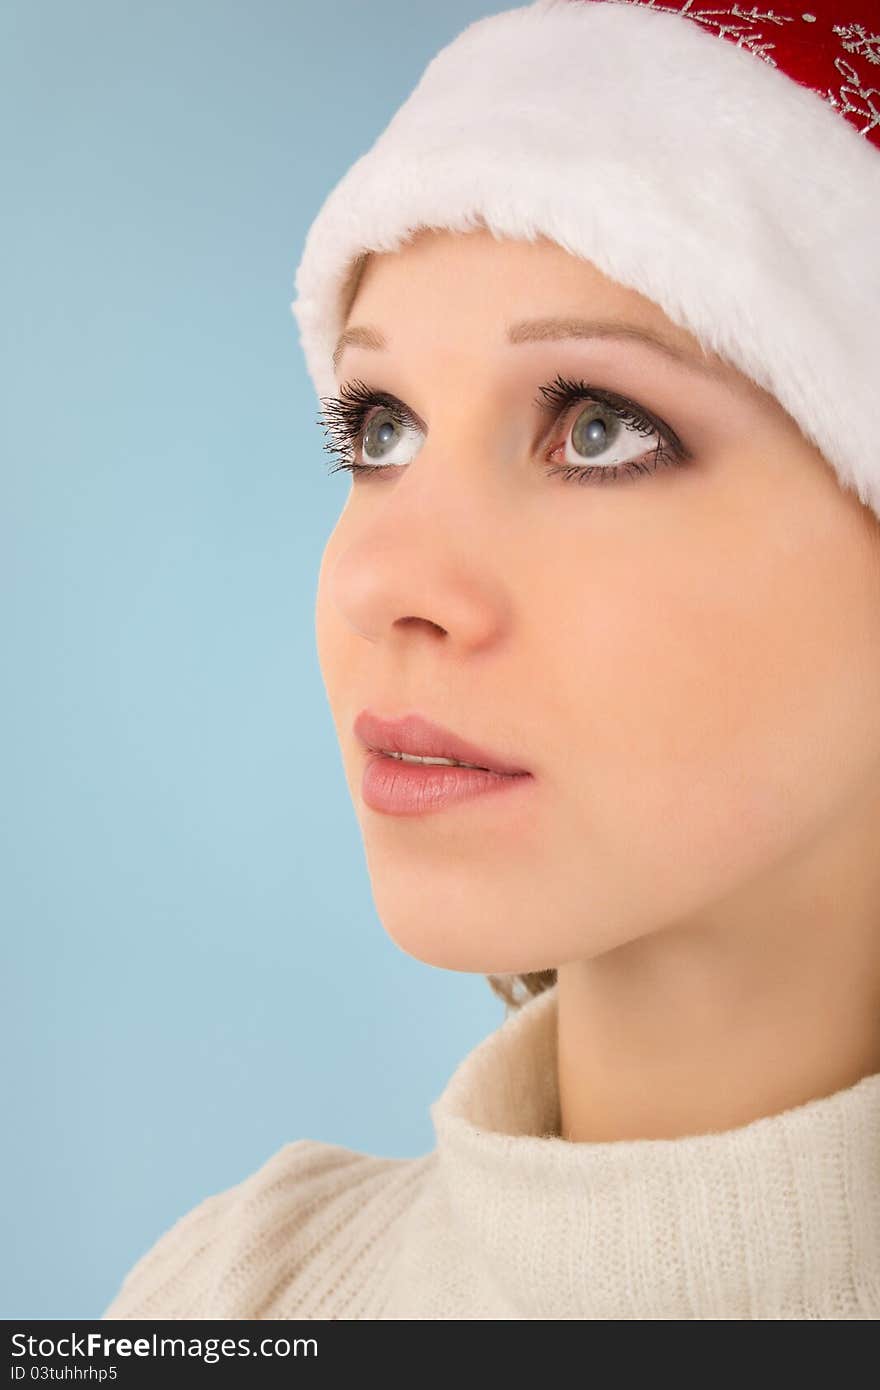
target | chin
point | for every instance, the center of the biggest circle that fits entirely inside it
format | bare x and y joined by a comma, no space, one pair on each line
450,937
475,960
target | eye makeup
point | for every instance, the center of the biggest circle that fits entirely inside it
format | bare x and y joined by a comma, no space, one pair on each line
347,418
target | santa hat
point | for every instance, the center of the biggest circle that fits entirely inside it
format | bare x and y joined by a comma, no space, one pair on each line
723,160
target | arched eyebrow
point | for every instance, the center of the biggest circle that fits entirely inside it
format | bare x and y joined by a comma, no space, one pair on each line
364,337
556,330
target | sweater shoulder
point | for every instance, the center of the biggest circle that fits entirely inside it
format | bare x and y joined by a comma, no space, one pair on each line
295,1239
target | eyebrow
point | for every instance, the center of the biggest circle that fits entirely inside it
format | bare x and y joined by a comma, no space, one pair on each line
555,330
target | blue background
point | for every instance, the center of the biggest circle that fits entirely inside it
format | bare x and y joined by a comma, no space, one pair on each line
193,972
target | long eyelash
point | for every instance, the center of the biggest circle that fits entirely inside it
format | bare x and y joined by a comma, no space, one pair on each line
558,396
344,419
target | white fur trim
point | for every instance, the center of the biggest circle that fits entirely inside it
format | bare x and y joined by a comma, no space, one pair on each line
681,165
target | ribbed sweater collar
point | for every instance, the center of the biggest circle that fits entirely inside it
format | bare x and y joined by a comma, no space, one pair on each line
779,1218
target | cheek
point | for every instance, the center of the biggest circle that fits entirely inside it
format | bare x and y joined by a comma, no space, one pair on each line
324,624
709,702
333,640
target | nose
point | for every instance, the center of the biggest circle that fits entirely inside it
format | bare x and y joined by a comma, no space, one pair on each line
422,559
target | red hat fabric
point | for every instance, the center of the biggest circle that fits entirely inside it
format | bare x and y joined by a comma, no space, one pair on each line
830,46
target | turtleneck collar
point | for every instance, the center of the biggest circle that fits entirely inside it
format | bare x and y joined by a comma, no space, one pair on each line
779,1218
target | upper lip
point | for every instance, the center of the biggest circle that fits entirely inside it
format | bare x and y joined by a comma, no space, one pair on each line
413,734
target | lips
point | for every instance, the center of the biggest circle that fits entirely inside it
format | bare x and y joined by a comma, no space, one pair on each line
413,734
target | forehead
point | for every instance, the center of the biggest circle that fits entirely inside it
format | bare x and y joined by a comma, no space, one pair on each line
431,251
488,287
485,278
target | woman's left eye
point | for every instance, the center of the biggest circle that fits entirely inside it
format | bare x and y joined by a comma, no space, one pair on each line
605,439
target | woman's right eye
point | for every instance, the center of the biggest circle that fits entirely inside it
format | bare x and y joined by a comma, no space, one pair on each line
387,440
374,426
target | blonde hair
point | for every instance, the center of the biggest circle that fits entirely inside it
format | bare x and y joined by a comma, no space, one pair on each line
516,989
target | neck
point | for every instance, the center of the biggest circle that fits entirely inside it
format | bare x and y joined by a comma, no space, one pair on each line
768,1002
773,1219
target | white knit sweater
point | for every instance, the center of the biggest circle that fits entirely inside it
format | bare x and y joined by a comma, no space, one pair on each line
779,1218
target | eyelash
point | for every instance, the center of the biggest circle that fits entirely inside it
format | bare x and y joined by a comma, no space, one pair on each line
345,418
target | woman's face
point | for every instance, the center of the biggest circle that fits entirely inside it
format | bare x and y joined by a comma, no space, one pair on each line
685,657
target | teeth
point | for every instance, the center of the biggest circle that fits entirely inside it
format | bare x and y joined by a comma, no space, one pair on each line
448,762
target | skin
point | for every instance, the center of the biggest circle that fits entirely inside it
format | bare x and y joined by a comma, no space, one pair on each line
687,661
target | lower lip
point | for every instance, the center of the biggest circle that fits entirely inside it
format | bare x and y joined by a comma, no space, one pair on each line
415,789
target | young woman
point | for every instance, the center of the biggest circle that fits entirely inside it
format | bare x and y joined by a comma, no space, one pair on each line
593,325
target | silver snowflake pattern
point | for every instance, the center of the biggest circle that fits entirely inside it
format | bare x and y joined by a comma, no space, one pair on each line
732,22
854,98
856,39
